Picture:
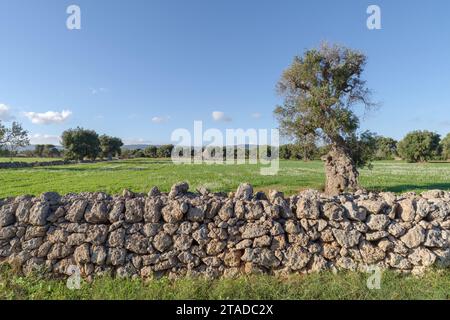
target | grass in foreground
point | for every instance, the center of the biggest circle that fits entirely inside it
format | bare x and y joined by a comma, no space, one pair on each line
140,175
344,285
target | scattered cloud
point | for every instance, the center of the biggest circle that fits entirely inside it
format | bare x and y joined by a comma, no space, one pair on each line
220,116
95,91
5,113
136,141
445,123
160,119
256,115
39,138
49,117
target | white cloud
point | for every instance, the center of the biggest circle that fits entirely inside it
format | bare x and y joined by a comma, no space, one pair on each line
5,113
39,138
256,115
49,117
95,91
136,141
160,119
220,116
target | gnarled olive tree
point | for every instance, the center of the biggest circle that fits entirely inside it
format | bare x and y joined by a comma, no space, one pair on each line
320,90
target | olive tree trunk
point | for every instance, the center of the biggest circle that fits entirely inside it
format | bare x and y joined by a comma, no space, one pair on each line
340,171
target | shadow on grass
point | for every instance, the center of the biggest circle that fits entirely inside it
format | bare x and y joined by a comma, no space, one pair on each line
122,166
411,187
145,161
93,166
93,169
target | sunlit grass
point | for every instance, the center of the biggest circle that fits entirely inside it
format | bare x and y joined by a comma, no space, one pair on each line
435,284
140,175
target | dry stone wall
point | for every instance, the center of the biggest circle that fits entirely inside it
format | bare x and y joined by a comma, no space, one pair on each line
213,235
15,164
18,164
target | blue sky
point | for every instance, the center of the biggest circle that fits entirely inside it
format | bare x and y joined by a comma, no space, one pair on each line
140,69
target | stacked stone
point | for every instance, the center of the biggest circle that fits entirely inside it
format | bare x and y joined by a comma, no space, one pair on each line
214,234
16,164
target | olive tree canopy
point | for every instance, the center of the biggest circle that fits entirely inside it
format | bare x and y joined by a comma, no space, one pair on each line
80,143
445,145
13,138
420,146
320,90
110,146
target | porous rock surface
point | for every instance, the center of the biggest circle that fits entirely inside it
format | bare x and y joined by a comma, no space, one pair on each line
205,234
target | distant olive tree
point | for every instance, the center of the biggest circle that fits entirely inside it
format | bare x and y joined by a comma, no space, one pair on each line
13,138
126,154
46,150
285,152
363,148
445,146
80,143
110,146
51,151
39,150
419,146
2,137
165,151
320,90
386,148
306,148
151,152
138,153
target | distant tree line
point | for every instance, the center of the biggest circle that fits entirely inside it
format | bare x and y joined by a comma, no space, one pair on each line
416,146
80,144
164,151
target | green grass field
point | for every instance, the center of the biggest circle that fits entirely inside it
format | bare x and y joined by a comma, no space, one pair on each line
140,175
344,285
